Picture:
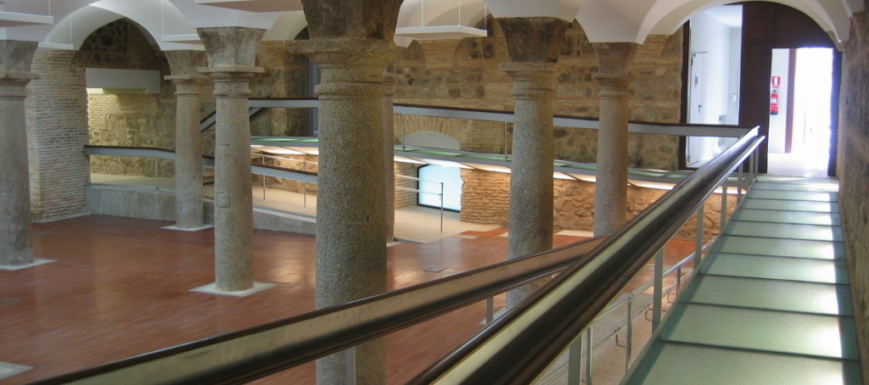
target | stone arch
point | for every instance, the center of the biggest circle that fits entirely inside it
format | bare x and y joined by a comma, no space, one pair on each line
124,115
453,128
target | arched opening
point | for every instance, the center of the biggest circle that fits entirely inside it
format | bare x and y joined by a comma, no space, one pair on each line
742,66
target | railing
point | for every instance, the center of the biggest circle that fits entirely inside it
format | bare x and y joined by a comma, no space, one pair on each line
517,348
266,349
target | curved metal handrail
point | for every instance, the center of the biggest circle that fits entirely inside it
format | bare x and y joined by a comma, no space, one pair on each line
266,349
519,346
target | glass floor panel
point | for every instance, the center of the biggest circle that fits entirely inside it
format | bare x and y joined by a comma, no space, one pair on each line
793,195
774,331
769,204
786,230
793,269
775,216
679,364
827,187
796,248
771,294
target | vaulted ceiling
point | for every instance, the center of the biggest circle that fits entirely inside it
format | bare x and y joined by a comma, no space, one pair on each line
172,23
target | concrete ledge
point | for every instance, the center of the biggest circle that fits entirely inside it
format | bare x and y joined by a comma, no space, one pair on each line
9,370
147,203
211,288
192,229
36,262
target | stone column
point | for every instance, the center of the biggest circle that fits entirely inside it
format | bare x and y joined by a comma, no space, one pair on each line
16,240
611,187
189,209
231,56
351,254
389,154
533,45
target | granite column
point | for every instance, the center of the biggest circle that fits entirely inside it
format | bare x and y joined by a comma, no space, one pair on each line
231,56
611,187
533,45
189,209
351,204
389,153
16,239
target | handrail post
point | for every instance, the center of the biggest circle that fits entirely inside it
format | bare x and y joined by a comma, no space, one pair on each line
442,206
723,223
490,310
589,352
505,142
629,333
350,361
574,361
698,251
658,295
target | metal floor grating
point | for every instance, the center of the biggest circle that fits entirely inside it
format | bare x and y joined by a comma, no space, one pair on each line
771,304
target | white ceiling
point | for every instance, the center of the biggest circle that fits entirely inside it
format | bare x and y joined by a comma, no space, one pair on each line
729,15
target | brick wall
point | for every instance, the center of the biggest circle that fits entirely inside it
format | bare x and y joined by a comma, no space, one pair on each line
404,198
464,74
854,174
56,110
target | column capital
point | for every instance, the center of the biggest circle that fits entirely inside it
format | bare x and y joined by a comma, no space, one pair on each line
533,39
347,60
615,58
187,84
13,84
614,85
528,70
390,79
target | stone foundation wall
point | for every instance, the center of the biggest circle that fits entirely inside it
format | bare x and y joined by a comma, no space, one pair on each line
486,200
285,76
854,174
131,120
464,74
56,113
307,163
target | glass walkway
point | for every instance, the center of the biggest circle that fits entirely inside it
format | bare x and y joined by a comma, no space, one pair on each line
771,304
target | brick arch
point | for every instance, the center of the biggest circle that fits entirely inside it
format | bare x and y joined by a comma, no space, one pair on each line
454,128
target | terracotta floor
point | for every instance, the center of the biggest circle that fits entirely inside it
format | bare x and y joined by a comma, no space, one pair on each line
120,287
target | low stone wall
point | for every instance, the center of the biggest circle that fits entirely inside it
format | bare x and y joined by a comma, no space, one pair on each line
486,200
160,205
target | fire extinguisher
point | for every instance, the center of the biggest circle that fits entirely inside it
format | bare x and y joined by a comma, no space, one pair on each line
773,103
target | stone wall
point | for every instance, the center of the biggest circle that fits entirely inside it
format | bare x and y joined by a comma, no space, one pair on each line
285,76
306,163
56,112
486,200
131,120
464,74
143,120
854,174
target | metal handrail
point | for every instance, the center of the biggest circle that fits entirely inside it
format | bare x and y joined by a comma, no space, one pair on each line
270,348
639,127
519,346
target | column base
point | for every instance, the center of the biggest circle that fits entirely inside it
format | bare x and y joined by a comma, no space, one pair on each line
211,288
36,262
190,229
8,370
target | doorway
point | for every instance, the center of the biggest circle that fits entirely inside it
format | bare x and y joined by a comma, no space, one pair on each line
799,137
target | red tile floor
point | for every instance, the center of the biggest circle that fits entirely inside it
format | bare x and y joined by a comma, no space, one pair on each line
121,287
